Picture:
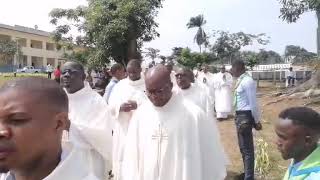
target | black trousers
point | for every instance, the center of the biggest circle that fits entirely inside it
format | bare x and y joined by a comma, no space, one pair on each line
245,123
291,80
49,75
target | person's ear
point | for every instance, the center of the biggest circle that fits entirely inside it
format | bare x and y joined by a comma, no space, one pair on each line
310,140
62,121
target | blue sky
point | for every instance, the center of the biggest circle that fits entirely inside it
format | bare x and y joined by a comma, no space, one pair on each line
251,16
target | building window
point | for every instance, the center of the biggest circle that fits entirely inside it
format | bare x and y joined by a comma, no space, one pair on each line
36,44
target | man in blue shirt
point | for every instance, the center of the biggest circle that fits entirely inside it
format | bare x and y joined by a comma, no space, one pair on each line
247,116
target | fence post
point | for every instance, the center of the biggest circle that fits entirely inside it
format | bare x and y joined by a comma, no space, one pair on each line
274,77
258,80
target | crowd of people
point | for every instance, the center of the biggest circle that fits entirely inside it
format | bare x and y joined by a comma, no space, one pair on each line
158,123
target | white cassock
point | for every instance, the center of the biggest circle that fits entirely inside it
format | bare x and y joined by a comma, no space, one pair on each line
223,94
89,113
76,164
171,143
173,78
124,91
200,96
207,79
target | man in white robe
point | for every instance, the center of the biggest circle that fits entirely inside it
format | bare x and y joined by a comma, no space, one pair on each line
206,78
88,112
128,94
200,97
223,93
168,136
33,116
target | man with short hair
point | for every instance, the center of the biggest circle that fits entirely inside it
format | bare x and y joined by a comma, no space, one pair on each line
168,136
223,96
88,112
117,72
128,94
298,131
247,115
33,116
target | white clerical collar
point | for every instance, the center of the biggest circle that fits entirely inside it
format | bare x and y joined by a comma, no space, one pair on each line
81,92
139,82
169,104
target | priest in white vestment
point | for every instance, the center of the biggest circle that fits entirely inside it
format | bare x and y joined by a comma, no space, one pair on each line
128,94
168,137
223,93
206,78
88,112
31,135
200,96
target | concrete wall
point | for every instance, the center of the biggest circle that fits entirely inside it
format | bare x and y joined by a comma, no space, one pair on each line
278,75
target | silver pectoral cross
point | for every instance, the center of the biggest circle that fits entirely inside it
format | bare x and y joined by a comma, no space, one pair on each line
160,136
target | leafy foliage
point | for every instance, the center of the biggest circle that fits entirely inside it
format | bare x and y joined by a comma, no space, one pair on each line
201,37
191,59
9,49
298,54
152,53
228,45
292,10
113,28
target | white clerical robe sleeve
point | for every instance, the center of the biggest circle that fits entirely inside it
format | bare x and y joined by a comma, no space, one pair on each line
213,159
130,168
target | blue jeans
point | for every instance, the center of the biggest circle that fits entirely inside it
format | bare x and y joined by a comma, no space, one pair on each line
245,123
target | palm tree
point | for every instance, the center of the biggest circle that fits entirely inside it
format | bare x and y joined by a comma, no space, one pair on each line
198,22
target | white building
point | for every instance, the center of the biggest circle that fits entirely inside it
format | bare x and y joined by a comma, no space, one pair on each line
37,47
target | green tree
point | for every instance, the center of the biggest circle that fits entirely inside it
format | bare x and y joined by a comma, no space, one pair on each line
227,45
152,53
8,49
112,29
250,58
292,10
191,59
201,37
269,57
298,54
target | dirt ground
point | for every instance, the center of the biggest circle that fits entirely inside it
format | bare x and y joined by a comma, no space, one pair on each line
269,115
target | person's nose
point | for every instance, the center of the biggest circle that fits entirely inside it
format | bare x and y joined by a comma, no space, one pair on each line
5,132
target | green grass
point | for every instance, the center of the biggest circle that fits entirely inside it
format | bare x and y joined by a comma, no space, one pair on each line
9,76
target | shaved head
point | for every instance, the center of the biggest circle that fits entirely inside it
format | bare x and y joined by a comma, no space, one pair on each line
159,85
134,69
40,89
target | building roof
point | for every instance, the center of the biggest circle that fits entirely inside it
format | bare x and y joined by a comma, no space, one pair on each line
26,30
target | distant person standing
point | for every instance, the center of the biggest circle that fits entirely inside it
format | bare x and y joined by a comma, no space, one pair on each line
49,70
118,73
247,116
57,74
291,77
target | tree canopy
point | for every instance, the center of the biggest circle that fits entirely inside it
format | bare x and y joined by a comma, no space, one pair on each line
8,49
298,54
110,28
292,10
228,45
